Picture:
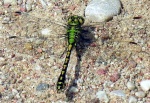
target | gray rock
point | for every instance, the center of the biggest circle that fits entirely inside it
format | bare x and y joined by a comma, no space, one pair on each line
12,2
42,86
102,10
119,93
131,85
132,99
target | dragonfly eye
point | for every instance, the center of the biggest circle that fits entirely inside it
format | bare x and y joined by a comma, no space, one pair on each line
75,20
81,20
69,20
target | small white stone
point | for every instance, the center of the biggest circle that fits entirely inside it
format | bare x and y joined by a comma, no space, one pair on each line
145,85
2,59
6,20
79,81
20,2
74,89
131,85
12,2
119,93
102,10
28,7
46,32
37,67
140,94
17,95
96,36
132,99
3,77
44,3
102,96
28,78
14,91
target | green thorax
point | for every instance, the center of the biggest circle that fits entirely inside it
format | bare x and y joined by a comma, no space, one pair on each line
74,28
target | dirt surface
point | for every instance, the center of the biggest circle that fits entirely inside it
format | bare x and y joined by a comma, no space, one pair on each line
114,53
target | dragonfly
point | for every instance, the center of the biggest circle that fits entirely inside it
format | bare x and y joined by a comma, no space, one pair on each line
74,29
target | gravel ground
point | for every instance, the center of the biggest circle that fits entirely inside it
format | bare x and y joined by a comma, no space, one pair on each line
115,55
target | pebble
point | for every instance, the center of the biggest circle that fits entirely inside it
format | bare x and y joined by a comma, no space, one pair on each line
140,94
102,10
79,81
44,3
74,89
132,64
37,67
114,77
28,46
12,2
145,85
42,86
132,99
23,8
46,32
102,96
3,77
6,20
131,85
119,93
102,72
14,91
17,96
29,6
19,2
9,96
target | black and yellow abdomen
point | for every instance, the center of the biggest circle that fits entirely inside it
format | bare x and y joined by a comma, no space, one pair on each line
62,77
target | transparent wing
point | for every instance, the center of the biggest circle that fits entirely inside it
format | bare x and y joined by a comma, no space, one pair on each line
28,32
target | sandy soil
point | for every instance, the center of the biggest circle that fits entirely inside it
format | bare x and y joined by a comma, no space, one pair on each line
113,53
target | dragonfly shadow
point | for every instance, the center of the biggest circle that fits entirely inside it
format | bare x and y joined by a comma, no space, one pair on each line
86,38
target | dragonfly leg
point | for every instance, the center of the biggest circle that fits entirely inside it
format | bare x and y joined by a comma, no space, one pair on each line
63,52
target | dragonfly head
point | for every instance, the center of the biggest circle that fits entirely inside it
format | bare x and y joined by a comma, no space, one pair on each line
75,20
